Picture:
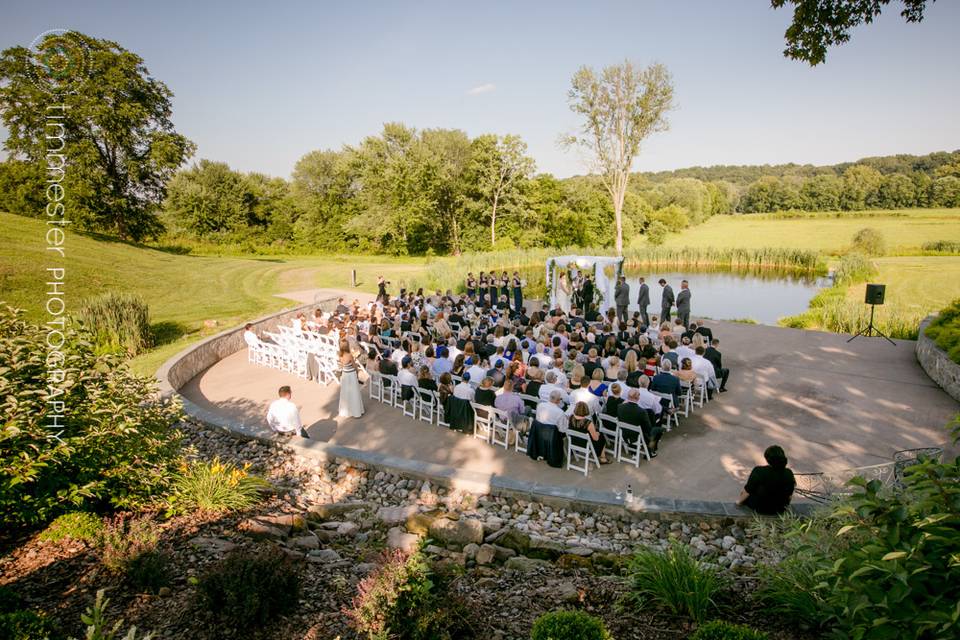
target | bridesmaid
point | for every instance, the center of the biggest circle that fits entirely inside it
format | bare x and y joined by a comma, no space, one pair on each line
517,292
483,289
505,286
471,285
492,283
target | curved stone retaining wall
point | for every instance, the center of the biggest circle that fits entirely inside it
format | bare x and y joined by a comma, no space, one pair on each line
190,362
934,360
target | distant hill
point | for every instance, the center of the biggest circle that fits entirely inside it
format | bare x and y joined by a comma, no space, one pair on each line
745,174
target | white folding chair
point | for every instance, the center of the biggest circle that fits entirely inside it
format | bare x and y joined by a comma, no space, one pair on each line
630,453
501,428
427,404
686,399
579,448
391,390
409,407
376,387
482,421
672,417
608,427
441,414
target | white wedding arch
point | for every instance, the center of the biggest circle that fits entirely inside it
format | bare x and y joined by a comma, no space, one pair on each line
596,266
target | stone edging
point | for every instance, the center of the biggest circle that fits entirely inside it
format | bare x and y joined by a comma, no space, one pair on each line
182,367
937,364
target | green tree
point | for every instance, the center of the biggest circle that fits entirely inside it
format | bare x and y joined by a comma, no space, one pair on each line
820,24
821,193
860,185
21,187
119,146
896,191
499,164
446,157
209,198
770,193
325,187
620,107
945,192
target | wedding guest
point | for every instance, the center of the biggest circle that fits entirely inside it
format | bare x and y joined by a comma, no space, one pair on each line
581,423
283,416
485,393
769,487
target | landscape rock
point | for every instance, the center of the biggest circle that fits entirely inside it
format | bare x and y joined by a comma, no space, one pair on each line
335,510
459,532
260,531
392,516
398,539
524,564
306,543
486,554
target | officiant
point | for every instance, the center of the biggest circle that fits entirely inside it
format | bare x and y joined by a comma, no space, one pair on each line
586,293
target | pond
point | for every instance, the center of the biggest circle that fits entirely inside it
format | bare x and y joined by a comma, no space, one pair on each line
759,295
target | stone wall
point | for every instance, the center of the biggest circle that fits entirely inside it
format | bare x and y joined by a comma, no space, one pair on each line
934,360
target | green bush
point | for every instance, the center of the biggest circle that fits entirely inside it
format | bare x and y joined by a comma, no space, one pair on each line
883,565
568,625
676,581
114,447
945,330
402,600
719,630
250,587
657,233
869,241
123,541
99,629
150,571
942,246
28,625
118,323
214,487
78,525
853,268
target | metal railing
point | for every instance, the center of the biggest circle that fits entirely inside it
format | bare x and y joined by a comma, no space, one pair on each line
822,486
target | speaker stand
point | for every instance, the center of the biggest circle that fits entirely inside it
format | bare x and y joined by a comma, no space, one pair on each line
871,331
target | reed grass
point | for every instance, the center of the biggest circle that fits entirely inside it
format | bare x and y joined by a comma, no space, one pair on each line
118,322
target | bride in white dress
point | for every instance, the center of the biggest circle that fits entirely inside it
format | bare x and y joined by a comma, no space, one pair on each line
563,292
351,398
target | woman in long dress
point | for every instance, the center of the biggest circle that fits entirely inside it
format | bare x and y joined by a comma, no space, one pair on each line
563,293
351,398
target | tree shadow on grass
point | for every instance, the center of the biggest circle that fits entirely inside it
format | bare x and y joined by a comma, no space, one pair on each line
167,331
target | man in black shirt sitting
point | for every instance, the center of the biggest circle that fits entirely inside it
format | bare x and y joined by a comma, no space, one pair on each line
769,488
632,413
666,382
713,355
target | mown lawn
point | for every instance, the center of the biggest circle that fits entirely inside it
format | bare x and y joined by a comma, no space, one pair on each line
916,283
902,233
182,291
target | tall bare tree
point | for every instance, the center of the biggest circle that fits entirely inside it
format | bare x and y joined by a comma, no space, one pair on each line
621,106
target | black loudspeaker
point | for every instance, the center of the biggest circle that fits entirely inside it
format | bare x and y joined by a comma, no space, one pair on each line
875,293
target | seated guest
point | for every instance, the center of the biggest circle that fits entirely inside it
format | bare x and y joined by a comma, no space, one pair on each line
551,412
666,382
769,488
686,373
425,380
388,366
485,394
613,400
586,396
596,384
632,413
407,378
477,371
581,423
283,416
510,402
547,389
705,331
713,354
463,389
445,388
613,368
684,350
496,374
458,365
441,363
251,338
704,369
654,404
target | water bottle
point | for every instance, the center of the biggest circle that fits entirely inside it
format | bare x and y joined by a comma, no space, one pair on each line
629,497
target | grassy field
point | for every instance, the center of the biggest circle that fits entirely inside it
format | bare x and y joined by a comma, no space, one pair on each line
182,291
915,283
904,231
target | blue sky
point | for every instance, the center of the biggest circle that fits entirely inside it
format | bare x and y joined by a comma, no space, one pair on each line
258,84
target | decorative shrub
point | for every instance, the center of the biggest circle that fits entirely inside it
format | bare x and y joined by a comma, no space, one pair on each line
893,572
401,600
945,330
251,586
657,233
28,625
719,630
123,541
117,448
98,628
869,241
568,625
676,581
214,487
150,570
79,525
853,268
117,322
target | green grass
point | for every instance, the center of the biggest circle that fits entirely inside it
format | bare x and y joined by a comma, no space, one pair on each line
918,284
182,291
903,230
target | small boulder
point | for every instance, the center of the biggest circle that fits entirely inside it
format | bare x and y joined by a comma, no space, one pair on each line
392,516
485,554
306,543
524,564
260,531
459,532
324,556
398,539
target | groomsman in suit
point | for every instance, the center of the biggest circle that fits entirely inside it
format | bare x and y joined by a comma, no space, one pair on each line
586,292
643,299
683,303
621,295
666,301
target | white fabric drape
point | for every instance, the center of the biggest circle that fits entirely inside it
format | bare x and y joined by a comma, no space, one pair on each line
596,264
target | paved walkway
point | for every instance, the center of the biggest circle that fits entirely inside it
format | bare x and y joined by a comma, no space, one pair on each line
830,404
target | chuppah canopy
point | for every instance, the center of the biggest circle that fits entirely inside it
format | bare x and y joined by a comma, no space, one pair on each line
596,266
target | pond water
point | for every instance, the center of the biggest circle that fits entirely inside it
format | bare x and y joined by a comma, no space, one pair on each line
762,296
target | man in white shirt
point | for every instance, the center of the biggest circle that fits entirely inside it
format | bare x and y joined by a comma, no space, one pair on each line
284,416
583,394
684,350
547,388
463,389
647,400
452,350
251,338
704,370
477,371
550,411
407,377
